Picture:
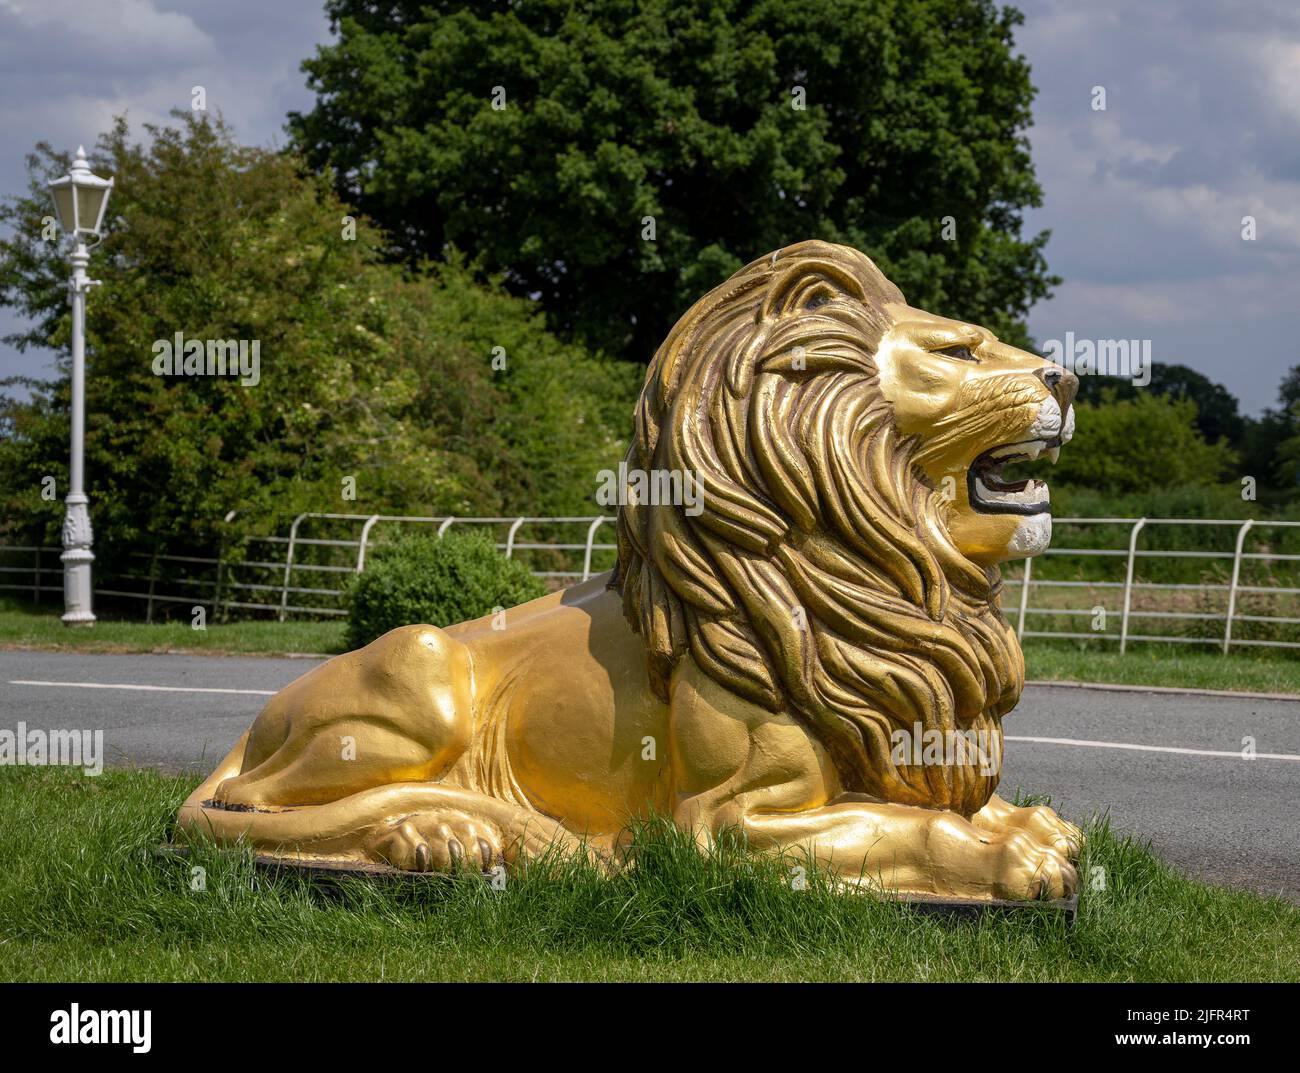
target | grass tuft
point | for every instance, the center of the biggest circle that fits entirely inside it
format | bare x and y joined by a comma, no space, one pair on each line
82,898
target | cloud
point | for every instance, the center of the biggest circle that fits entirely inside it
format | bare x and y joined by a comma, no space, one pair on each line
1146,199
69,67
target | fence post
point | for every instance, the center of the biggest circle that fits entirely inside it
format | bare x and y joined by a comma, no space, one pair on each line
221,566
288,566
1024,596
1232,588
586,559
443,527
510,536
216,589
1128,583
153,580
365,535
36,585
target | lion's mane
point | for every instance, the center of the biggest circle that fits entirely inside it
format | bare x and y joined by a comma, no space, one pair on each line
819,577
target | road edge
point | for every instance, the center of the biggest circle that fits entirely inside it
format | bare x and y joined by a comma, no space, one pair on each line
1118,687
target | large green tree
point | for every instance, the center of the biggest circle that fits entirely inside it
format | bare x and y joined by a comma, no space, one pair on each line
367,370
542,136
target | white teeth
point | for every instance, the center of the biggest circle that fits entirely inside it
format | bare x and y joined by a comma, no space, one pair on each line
1031,449
1053,453
1034,492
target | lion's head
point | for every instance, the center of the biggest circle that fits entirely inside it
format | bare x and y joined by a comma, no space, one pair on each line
848,449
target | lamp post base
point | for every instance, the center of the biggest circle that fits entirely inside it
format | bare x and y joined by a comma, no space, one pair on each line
76,559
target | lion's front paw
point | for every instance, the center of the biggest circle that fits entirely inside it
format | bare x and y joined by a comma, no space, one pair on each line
1040,822
1029,870
1048,828
441,841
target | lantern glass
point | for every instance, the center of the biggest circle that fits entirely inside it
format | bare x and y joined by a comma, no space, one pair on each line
64,205
80,198
91,201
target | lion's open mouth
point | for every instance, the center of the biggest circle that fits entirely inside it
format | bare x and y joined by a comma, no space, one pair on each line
990,492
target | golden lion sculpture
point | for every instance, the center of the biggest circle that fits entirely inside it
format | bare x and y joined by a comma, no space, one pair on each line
762,662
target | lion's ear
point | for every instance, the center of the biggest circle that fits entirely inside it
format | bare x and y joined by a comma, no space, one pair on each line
807,283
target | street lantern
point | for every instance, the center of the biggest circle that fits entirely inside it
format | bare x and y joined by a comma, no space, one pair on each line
80,198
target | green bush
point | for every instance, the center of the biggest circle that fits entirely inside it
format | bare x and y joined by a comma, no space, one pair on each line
439,581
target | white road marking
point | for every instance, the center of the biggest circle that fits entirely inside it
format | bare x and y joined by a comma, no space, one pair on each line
1237,755
1082,742
154,689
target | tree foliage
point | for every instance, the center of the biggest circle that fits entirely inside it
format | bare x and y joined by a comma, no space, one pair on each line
1141,443
368,370
541,135
1272,444
1217,414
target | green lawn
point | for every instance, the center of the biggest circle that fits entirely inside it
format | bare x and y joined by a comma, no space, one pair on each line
82,899
1165,665
21,626
1159,665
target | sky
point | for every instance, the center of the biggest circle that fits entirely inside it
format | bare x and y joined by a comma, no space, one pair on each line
1145,199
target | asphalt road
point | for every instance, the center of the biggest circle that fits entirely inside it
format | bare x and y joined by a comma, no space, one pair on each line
1153,759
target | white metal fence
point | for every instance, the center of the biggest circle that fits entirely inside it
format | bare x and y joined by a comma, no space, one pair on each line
291,574
304,572
1132,554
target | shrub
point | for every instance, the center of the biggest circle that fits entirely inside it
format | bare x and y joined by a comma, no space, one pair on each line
1141,444
439,581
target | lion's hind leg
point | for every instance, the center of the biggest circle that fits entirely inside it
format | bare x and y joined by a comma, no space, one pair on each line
350,756
458,835
398,710
410,826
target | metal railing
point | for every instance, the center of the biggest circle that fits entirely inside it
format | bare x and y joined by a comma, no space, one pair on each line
305,572
1131,557
228,587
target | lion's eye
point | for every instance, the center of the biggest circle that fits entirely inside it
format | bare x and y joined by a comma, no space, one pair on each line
963,352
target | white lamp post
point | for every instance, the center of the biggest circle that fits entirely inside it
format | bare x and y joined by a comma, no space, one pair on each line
80,198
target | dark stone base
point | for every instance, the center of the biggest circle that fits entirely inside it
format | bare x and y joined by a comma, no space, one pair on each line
967,909
320,869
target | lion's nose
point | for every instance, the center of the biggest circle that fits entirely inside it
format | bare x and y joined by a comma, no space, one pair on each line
1062,383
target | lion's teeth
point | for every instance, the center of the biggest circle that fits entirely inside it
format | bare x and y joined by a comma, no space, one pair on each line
1033,450
1053,453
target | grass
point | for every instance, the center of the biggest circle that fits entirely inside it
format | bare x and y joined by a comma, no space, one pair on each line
81,899
1164,665
21,626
